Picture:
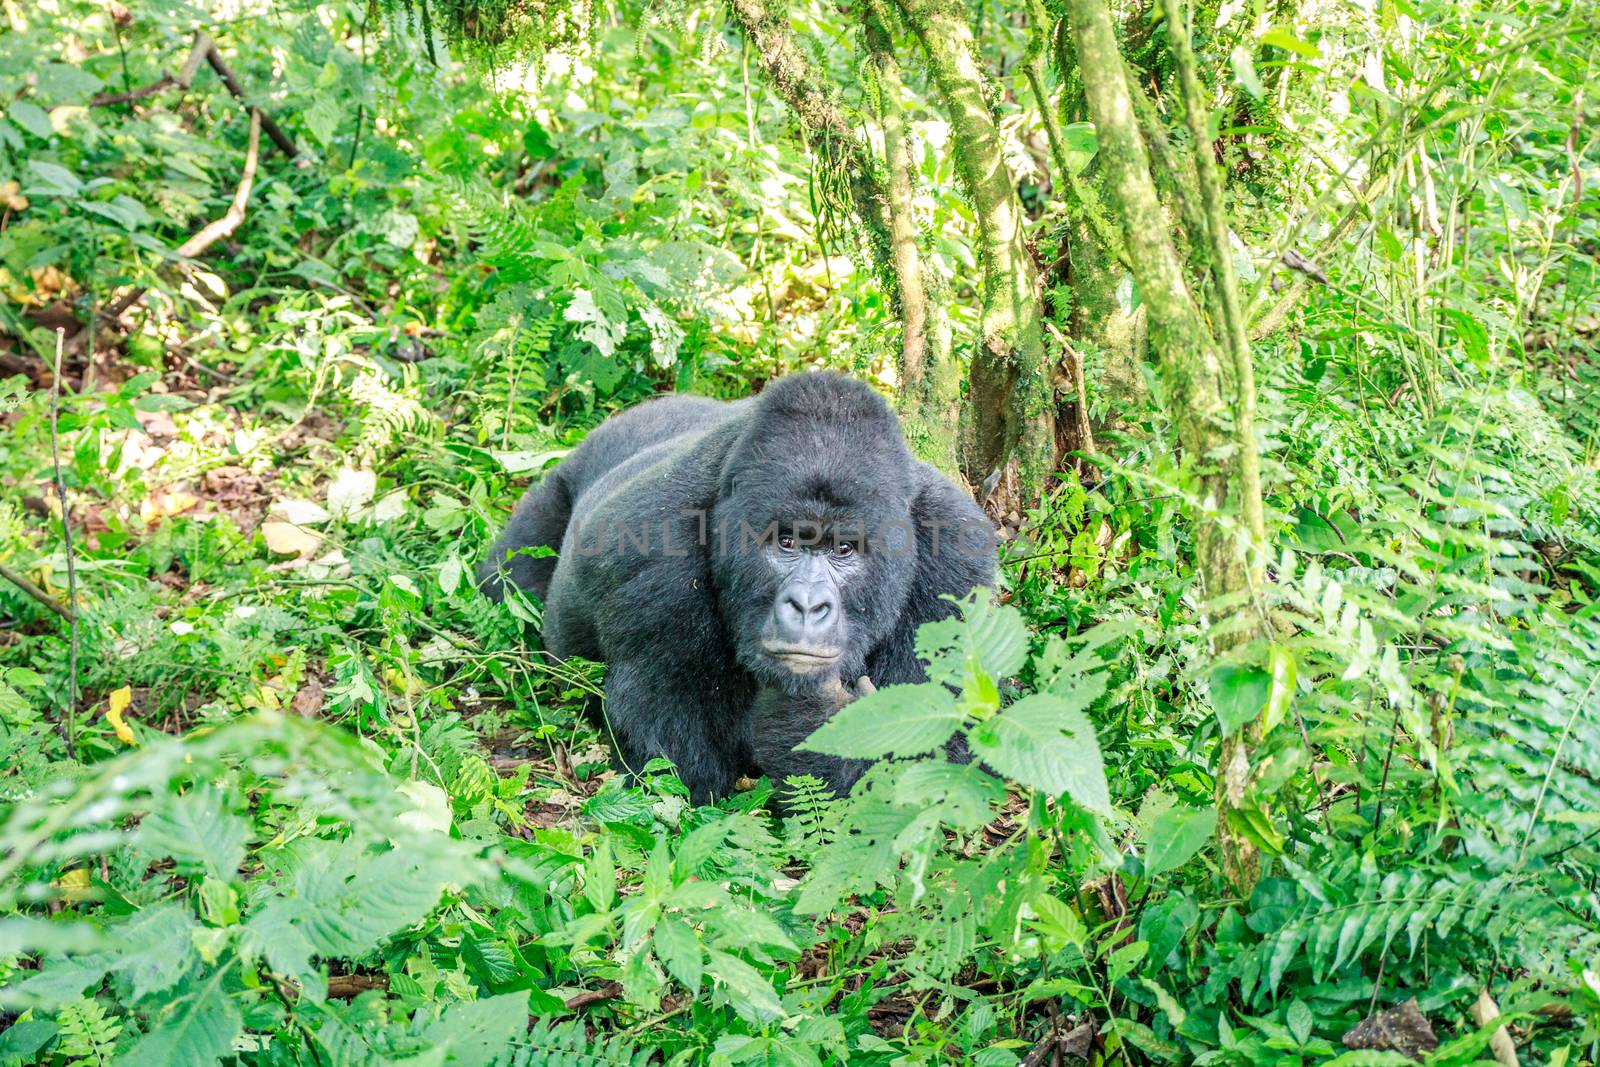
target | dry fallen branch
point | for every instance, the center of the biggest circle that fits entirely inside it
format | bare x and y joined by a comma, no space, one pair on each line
609,991
207,235
202,45
204,50
22,582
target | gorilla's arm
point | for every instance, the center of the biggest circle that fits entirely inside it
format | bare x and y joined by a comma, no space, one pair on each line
780,722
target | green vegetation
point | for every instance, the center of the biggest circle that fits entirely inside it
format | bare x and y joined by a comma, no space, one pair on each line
1269,341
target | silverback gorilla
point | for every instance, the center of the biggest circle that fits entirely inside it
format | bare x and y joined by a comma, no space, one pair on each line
736,565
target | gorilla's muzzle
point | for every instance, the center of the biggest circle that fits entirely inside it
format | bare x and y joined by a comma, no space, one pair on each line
806,629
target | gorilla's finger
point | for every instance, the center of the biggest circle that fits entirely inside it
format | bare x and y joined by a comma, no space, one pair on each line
864,687
837,693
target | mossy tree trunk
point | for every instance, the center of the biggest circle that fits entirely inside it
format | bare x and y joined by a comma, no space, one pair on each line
1207,377
930,385
1008,439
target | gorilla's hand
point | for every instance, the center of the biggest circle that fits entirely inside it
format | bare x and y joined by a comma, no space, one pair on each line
781,722
841,694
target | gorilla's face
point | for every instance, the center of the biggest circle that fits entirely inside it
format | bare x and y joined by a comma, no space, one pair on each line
812,549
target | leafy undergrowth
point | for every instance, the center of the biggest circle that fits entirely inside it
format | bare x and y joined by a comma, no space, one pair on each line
287,790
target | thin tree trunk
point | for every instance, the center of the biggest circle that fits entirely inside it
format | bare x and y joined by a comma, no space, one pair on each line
930,389
1193,366
1009,436
1094,256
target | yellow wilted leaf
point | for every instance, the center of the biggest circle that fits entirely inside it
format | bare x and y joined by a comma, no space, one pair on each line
73,884
116,704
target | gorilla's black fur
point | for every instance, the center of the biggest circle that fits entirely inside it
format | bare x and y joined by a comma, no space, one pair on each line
712,553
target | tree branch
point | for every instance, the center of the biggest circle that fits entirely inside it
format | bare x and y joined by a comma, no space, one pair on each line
22,582
203,50
211,232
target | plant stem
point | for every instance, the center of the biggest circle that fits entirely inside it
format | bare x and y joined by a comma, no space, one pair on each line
69,716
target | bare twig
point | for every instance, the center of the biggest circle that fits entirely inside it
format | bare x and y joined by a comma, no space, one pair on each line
22,582
68,722
213,231
224,72
181,80
609,991
1074,362
217,229
204,50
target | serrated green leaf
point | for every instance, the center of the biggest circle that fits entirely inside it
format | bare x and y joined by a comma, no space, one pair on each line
992,637
898,720
196,1032
342,903
1045,741
678,948
200,835
490,957
478,1033
155,949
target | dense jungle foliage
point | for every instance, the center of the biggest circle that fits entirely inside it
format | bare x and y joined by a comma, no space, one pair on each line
1266,331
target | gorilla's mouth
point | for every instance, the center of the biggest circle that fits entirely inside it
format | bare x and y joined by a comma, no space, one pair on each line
802,659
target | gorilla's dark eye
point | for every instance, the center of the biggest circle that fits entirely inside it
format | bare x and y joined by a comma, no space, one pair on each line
844,548
786,542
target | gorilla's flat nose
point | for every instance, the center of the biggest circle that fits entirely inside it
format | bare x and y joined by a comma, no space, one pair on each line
805,611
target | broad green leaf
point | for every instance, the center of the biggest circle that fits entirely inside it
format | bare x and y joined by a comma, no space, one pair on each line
66,83
1045,741
154,949
50,179
21,1040
746,991
1079,143
1300,1021
31,117
480,1033
1281,38
990,636
1474,338
1177,835
961,795
1281,669
1389,246
1238,694
1165,1001
898,720
1244,71
1058,921
322,117
123,210
197,1031
198,833
678,948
